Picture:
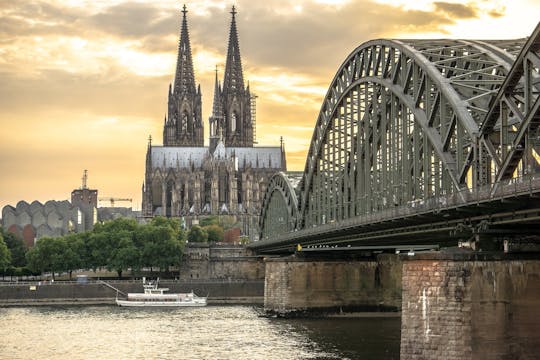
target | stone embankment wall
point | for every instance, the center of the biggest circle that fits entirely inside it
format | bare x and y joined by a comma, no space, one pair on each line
470,307
299,286
219,292
205,261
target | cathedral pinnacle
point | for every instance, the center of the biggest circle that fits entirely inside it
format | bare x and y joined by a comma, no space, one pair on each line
216,106
184,80
234,78
184,126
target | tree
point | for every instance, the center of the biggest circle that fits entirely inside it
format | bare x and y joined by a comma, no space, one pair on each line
163,221
197,234
74,252
215,233
160,246
16,247
47,255
5,255
98,250
209,220
124,254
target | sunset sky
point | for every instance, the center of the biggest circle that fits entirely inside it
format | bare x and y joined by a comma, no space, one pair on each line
83,83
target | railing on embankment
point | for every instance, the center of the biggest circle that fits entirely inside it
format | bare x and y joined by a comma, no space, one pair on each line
95,292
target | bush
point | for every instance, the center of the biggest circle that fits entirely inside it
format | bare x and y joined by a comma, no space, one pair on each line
197,234
215,233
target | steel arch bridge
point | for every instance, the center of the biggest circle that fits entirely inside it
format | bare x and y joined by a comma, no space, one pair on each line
417,137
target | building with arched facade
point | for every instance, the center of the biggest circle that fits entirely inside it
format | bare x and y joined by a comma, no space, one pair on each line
186,179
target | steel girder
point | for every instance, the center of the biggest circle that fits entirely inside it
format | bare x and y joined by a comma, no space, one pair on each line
511,129
406,122
279,211
401,123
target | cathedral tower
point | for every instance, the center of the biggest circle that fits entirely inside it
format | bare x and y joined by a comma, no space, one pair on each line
234,119
183,125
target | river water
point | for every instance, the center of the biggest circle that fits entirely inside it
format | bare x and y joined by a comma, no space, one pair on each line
213,332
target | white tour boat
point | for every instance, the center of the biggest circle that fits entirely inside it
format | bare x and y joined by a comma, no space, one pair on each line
154,296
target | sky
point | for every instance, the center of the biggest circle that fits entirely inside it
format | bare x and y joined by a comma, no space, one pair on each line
83,83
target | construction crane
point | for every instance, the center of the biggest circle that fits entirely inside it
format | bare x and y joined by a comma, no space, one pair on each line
112,200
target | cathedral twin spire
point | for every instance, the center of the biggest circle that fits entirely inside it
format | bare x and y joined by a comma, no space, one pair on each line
231,110
184,126
234,78
184,80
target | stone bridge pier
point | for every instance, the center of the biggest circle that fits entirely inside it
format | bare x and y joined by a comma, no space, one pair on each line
298,286
470,306
454,305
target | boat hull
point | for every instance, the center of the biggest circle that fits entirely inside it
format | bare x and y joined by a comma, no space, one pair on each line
136,303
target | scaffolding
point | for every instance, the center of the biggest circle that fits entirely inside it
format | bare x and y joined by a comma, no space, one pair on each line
253,103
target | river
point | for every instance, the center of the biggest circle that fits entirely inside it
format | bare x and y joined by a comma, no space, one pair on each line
213,332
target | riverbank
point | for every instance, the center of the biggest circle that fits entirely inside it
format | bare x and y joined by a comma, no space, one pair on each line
100,293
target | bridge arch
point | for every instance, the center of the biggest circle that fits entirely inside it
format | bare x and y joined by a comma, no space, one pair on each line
279,207
434,93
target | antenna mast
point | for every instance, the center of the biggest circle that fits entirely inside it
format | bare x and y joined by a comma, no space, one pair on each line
84,180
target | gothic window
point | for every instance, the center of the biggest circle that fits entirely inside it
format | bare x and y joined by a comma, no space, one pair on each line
168,200
207,191
157,192
233,121
184,122
190,197
239,188
223,188
182,194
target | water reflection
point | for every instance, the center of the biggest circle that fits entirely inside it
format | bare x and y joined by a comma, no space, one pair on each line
224,332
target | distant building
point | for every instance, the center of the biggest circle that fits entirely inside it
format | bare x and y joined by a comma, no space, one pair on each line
54,218
111,213
186,179
87,200
58,218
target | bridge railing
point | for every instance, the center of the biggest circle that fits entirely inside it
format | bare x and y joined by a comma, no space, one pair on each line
506,190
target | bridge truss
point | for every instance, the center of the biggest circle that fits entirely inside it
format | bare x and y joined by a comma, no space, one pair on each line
414,127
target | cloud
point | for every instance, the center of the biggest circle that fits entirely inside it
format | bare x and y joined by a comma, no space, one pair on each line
37,18
134,20
108,94
459,11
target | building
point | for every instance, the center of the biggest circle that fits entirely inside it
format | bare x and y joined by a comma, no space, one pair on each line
184,178
53,218
32,221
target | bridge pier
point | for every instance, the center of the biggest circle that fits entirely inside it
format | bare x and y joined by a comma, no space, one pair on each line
470,306
299,286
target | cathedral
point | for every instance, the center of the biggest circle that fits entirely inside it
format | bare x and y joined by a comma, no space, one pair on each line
186,179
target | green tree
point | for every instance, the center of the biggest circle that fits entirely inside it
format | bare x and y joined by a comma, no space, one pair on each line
163,221
209,220
47,255
197,234
116,225
160,246
5,255
98,250
244,239
124,254
16,247
74,253
215,233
